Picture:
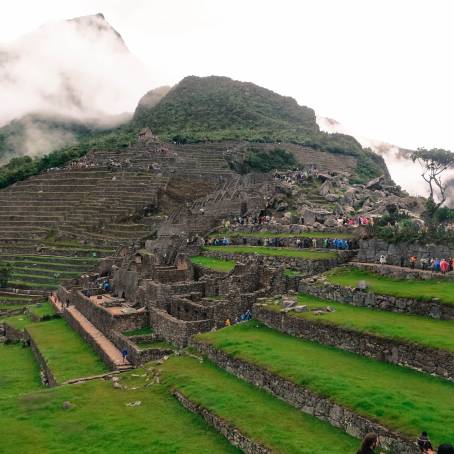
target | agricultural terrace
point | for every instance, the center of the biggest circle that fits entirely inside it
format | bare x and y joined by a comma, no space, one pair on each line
212,263
254,412
428,332
99,417
268,234
66,353
273,252
416,289
401,399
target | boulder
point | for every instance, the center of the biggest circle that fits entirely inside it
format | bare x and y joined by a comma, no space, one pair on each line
376,183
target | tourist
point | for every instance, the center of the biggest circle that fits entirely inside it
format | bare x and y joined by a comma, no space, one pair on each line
382,260
444,266
413,262
369,444
445,448
424,443
228,322
402,261
124,353
437,264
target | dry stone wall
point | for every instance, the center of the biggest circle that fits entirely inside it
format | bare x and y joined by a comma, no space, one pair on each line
306,401
371,250
233,435
358,297
432,361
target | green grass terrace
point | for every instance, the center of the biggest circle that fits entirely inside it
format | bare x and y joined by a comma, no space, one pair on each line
427,332
255,413
102,419
66,353
212,263
401,399
273,252
422,290
268,234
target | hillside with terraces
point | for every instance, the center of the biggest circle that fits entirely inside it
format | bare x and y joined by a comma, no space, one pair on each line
172,296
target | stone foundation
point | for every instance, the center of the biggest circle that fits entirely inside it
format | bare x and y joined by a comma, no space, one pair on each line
306,401
45,370
432,361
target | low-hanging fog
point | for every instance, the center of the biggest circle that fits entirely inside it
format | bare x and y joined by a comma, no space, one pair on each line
79,69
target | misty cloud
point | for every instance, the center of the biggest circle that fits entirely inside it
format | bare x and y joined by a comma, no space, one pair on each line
80,69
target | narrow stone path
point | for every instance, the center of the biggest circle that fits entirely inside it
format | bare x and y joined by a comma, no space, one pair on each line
427,273
98,337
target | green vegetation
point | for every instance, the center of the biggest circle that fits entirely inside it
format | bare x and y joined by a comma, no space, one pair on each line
18,322
99,420
20,168
43,311
223,266
19,372
423,290
5,274
218,108
139,331
268,234
438,334
265,161
66,353
256,413
145,345
274,251
401,399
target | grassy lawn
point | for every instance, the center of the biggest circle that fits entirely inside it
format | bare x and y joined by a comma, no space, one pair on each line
224,266
42,310
19,372
66,353
139,331
404,327
18,322
267,234
256,413
417,289
399,398
274,251
101,422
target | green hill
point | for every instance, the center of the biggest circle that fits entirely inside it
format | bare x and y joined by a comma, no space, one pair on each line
215,108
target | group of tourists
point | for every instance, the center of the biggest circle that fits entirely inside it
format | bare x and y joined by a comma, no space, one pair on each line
356,221
297,175
335,243
243,318
372,441
437,265
219,242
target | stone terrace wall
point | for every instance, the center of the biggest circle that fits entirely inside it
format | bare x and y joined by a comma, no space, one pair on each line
176,331
418,357
306,267
358,297
402,273
136,356
371,250
233,435
306,401
13,334
45,369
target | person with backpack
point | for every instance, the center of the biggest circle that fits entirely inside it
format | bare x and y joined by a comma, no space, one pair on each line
369,444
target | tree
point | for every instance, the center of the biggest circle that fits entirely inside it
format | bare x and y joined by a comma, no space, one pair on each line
434,162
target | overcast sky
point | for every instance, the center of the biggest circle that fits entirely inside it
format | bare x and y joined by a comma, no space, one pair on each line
382,68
